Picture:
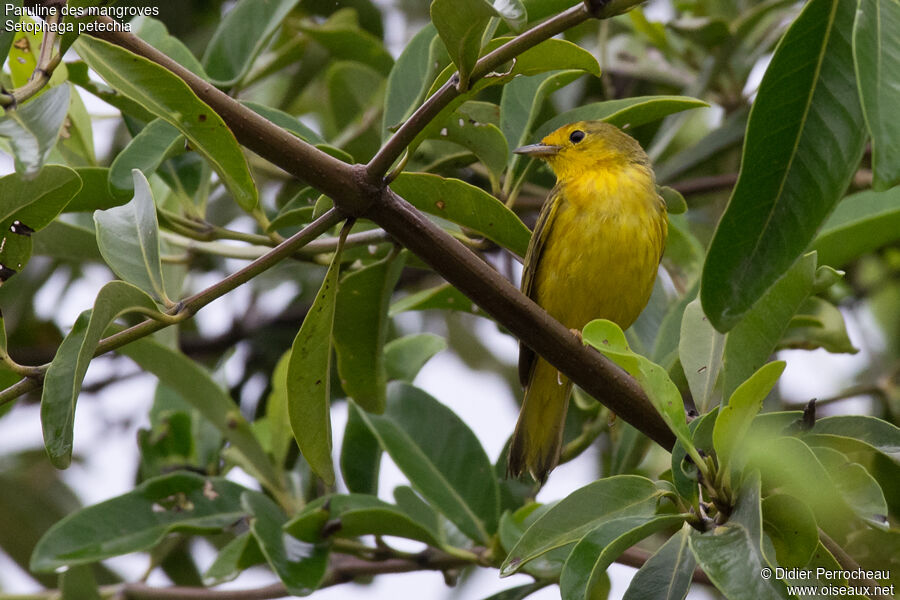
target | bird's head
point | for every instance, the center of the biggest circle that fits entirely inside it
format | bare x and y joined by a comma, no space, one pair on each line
585,145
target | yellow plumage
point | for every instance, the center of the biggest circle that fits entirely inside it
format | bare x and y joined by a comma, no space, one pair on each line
594,254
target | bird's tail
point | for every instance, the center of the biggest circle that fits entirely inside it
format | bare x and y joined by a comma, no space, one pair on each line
537,439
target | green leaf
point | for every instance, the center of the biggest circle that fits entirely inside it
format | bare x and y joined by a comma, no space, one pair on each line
77,135
860,490
608,338
33,128
140,519
280,434
62,381
440,456
461,25
745,403
482,139
410,77
155,143
517,593
804,141
513,12
360,455
78,583
861,223
700,349
711,146
28,205
791,526
405,357
818,324
441,297
685,475
876,57
750,344
346,41
584,569
128,237
875,432
7,35
466,205
580,512
356,515
241,35
166,96
675,202
360,329
155,33
731,554
299,565
666,575
68,242
309,375
285,121
237,555
624,113
791,466
195,384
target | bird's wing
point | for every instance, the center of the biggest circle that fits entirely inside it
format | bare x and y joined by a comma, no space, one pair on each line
532,260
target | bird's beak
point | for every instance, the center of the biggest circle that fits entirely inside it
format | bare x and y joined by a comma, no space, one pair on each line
539,150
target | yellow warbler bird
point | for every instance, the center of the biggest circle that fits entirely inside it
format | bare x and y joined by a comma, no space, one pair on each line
594,254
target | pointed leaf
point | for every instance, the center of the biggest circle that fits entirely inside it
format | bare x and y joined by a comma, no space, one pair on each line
580,512
791,526
804,141
405,357
299,565
155,33
309,376
28,205
667,575
63,379
241,36
360,329
237,555
700,349
745,403
347,41
818,324
461,25
442,297
466,205
34,127
166,96
410,77
750,344
624,113
441,457
146,151
861,223
140,519
584,569
360,455
128,237
876,56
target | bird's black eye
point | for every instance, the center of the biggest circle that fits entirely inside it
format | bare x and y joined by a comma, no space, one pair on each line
576,136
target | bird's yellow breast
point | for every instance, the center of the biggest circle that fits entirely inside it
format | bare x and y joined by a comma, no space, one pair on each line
602,250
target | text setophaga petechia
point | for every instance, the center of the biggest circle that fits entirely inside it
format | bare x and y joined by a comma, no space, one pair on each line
594,254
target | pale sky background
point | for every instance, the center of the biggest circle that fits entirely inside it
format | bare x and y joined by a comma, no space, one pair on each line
106,424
